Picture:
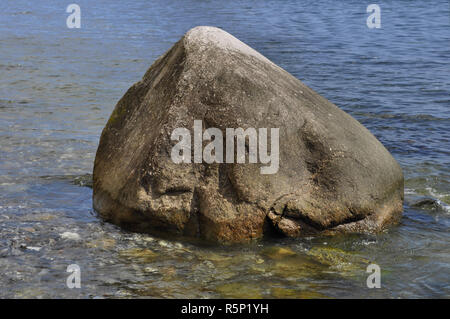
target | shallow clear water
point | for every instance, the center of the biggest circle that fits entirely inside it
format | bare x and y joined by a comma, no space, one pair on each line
59,85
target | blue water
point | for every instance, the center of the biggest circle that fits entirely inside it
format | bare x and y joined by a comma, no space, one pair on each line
58,87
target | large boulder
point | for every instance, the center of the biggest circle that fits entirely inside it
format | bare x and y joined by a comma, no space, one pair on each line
333,175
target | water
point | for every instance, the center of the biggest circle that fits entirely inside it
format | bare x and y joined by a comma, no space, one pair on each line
58,86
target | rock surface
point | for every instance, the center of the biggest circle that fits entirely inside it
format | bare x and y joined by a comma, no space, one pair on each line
334,175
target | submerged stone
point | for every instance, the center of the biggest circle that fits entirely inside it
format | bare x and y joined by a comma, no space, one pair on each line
142,255
297,267
285,293
104,243
333,174
239,291
346,263
277,252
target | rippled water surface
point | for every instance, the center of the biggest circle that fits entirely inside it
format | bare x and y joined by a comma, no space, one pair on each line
59,85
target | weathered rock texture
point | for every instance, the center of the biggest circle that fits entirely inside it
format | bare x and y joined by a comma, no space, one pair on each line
334,174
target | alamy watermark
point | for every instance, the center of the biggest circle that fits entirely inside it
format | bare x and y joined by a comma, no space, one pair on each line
74,279
373,20
213,152
74,19
374,279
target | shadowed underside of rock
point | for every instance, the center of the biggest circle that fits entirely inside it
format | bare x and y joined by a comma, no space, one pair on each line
334,175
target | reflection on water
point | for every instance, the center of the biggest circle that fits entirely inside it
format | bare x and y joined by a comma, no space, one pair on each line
58,87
